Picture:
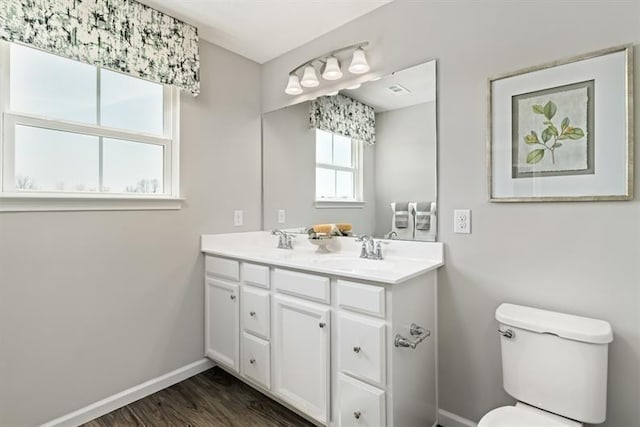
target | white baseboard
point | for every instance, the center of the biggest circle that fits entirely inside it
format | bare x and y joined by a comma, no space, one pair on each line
448,419
125,397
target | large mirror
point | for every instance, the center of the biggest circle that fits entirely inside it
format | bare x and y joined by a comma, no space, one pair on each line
366,156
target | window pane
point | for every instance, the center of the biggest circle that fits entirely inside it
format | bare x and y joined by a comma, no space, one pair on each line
323,147
344,185
49,160
132,167
130,103
342,151
51,86
325,183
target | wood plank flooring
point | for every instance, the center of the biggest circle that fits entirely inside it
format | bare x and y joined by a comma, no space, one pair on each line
213,398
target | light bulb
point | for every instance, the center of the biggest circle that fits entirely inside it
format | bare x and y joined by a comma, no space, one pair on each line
309,78
355,86
332,93
293,86
359,63
332,69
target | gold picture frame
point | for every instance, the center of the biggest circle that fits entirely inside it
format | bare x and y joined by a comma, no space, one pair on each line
546,130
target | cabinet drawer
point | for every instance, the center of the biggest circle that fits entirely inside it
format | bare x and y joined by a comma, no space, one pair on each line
222,267
368,299
256,362
256,275
303,285
256,311
361,347
360,404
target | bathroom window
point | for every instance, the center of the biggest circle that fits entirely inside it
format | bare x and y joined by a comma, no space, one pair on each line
338,168
78,132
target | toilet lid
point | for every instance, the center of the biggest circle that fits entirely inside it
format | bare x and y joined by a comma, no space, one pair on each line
511,416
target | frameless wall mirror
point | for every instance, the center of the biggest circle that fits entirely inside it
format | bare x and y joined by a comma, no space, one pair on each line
366,156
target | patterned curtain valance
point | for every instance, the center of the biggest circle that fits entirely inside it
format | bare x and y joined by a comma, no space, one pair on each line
345,116
121,35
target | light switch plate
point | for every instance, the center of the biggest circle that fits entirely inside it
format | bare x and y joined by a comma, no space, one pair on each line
281,216
237,218
462,221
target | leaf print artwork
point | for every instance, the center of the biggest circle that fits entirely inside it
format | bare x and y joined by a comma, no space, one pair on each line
550,134
552,131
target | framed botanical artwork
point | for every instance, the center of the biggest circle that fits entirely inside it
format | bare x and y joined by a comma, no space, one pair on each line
563,131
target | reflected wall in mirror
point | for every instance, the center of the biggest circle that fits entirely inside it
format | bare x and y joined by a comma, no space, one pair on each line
319,169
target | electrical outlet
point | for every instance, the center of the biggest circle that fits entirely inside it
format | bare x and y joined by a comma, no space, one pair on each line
237,218
281,216
462,221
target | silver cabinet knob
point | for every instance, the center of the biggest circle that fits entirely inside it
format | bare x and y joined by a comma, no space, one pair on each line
357,415
252,313
252,361
322,324
233,297
356,349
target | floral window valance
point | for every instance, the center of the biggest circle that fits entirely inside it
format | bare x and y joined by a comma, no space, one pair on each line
121,35
344,116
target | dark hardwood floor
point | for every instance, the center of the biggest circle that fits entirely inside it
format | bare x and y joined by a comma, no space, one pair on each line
211,399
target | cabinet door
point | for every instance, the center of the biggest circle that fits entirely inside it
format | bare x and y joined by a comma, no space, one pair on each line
222,325
301,355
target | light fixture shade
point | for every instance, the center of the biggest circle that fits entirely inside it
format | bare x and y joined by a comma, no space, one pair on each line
293,86
332,69
309,78
359,63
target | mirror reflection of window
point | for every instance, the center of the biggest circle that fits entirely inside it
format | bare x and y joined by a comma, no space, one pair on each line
338,167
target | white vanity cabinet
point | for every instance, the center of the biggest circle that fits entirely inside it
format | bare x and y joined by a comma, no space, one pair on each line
324,344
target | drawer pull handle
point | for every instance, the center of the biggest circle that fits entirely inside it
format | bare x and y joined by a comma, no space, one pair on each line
233,297
252,361
357,349
252,313
322,324
357,415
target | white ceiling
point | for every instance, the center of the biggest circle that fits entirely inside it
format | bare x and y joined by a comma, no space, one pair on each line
264,29
420,82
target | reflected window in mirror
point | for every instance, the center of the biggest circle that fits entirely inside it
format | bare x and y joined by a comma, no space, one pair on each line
338,168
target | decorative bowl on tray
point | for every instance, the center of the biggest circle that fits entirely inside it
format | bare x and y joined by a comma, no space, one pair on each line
321,241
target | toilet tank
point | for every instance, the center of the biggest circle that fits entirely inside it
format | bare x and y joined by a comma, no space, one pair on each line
555,361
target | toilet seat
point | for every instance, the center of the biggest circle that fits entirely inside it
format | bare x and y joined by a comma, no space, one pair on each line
523,415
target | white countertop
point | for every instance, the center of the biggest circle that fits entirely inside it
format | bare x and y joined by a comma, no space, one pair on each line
402,261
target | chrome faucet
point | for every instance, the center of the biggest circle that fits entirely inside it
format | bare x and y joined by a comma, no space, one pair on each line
370,248
390,235
285,240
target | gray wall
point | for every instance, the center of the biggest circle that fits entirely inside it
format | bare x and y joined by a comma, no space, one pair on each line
405,167
579,258
290,175
92,303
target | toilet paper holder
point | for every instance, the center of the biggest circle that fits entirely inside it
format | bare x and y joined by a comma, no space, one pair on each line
418,334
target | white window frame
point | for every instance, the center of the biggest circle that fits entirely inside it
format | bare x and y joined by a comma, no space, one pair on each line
357,166
15,201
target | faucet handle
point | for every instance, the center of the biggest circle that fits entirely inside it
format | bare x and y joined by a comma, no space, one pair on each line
378,250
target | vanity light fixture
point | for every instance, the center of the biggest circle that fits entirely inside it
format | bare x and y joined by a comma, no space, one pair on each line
331,69
293,86
359,64
309,78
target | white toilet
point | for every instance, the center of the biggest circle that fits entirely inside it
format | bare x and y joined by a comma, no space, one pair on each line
555,365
